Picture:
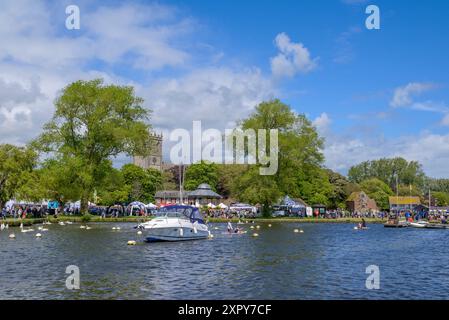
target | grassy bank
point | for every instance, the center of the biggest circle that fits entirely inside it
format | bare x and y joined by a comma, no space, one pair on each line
303,220
79,219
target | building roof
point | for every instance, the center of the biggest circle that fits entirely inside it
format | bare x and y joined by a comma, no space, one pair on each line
204,191
404,200
172,194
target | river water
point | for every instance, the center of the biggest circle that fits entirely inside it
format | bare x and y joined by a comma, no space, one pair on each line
327,261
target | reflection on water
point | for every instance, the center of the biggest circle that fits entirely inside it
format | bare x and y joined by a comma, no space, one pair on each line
327,261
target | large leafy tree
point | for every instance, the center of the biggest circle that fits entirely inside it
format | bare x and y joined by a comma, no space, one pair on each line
342,189
202,172
407,172
142,183
298,146
377,190
94,122
16,166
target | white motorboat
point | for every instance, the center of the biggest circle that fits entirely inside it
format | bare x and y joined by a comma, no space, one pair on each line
419,224
176,223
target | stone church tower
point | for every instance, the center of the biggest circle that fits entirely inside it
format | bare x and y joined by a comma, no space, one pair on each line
154,160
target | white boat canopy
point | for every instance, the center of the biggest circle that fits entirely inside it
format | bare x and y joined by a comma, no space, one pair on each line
211,205
222,206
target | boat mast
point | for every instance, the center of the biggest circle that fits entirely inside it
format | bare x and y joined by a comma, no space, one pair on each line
397,195
181,181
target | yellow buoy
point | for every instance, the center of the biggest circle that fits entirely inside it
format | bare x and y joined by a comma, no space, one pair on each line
255,234
131,242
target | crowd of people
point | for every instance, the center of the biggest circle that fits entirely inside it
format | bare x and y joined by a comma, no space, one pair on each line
23,211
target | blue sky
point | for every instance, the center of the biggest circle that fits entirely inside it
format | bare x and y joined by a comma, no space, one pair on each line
371,93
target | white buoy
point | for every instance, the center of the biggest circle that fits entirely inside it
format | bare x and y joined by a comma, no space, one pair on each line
38,235
12,236
251,227
118,228
114,228
301,231
258,227
131,242
139,232
269,225
255,234
355,228
215,228
296,231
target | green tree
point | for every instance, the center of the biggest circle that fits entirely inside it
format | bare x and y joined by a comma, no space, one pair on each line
202,172
407,172
94,122
342,189
16,166
298,146
142,184
377,190
228,174
441,198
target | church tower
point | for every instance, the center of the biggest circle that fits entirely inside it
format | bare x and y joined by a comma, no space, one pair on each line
154,160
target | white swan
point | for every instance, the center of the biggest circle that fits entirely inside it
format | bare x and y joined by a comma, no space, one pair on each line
2,227
25,230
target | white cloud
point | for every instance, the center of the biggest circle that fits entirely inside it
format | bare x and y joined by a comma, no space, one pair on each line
345,150
403,96
322,123
39,57
292,58
217,96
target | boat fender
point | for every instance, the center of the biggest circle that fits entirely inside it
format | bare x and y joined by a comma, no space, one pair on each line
181,232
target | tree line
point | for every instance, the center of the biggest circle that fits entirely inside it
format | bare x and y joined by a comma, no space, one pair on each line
94,123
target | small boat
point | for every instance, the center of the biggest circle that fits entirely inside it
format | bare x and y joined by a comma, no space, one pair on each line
176,223
419,224
360,228
393,222
437,226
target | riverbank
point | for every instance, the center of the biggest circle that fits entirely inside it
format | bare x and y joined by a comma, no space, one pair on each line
81,219
75,219
301,220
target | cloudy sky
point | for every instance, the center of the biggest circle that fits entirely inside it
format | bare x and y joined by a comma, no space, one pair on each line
371,93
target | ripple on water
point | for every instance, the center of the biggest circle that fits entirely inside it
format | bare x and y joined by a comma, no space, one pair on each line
327,261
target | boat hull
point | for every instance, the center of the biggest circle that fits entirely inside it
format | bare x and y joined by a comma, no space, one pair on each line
174,234
174,230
